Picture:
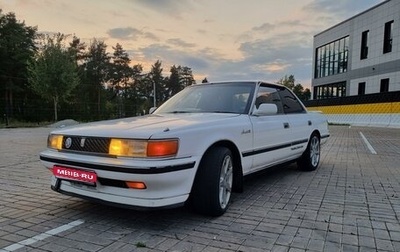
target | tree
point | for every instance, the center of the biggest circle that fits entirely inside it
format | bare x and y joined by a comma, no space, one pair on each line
303,94
53,73
17,46
298,89
100,79
96,74
306,94
287,81
121,76
78,98
174,85
186,77
77,50
180,78
135,99
157,80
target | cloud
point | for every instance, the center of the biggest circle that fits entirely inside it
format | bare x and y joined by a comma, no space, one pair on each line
169,7
150,36
266,27
169,56
275,67
130,33
268,59
270,50
180,43
124,33
342,9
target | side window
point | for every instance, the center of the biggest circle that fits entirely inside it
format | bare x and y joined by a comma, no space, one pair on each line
269,95
290,103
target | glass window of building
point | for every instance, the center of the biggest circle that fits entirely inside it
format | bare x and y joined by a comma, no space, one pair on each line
332,58
384,85
333,90
364,45
361,88
388,37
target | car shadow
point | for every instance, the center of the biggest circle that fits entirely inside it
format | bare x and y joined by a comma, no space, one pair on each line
161,220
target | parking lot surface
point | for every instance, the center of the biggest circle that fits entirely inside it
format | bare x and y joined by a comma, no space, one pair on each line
350,203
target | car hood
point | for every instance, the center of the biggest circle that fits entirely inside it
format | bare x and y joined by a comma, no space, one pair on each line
144,126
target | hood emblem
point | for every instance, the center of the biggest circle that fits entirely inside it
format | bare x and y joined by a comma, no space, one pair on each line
83,142
68,142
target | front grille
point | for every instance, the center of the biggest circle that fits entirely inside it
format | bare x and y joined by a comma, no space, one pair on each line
86,144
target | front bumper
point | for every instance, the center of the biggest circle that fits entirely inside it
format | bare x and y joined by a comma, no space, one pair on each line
168,181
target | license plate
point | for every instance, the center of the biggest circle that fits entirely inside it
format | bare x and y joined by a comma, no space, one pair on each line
74,174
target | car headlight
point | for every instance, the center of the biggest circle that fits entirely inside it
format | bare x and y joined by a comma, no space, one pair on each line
55,141
143,148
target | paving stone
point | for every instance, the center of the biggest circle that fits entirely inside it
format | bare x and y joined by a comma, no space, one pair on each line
394,236
285,240
350,203
384,245
365,241
316,245
299,242
350,248
350,239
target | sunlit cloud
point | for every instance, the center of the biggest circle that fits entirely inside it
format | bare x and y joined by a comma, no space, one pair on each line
172,8
180,43
266,27
276,67
130,33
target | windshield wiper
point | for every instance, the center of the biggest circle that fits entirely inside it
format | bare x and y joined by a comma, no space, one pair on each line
180,111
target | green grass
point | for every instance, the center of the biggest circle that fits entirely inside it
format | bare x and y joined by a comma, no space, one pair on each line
140,245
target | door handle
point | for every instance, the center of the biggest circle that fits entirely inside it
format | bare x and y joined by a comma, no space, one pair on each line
286,125
309,123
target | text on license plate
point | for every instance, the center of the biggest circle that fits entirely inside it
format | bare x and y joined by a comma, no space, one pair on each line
74,174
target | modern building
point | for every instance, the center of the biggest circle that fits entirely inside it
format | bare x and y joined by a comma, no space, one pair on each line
356,68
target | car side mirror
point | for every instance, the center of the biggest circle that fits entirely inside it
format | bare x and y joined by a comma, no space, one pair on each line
266,109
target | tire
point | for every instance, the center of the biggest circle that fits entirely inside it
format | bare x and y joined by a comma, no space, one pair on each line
309,161
212,187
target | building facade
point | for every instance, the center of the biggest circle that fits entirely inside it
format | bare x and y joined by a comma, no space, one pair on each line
356,63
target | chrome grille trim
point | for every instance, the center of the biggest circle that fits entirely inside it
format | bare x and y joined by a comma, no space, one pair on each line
87,144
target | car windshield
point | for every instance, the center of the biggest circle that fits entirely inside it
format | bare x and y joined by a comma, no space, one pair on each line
211,98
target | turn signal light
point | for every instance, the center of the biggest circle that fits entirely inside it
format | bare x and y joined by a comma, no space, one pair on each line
162,148
135,185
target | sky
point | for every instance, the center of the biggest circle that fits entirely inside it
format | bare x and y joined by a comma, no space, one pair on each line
219,40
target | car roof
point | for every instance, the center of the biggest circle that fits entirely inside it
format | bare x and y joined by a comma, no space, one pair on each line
241,81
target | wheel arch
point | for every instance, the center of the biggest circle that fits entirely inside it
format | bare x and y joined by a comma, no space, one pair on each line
315,132
304,162
237,160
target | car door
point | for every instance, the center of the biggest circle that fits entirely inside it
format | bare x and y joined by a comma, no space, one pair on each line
271,133
300,123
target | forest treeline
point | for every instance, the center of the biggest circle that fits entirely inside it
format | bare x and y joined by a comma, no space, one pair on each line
49,77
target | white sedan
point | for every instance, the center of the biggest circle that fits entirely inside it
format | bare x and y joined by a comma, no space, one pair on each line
195,148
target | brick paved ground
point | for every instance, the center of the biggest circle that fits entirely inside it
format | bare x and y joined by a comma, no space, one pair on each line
351,203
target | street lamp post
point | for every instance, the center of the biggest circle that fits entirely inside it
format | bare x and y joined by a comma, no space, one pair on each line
154,90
